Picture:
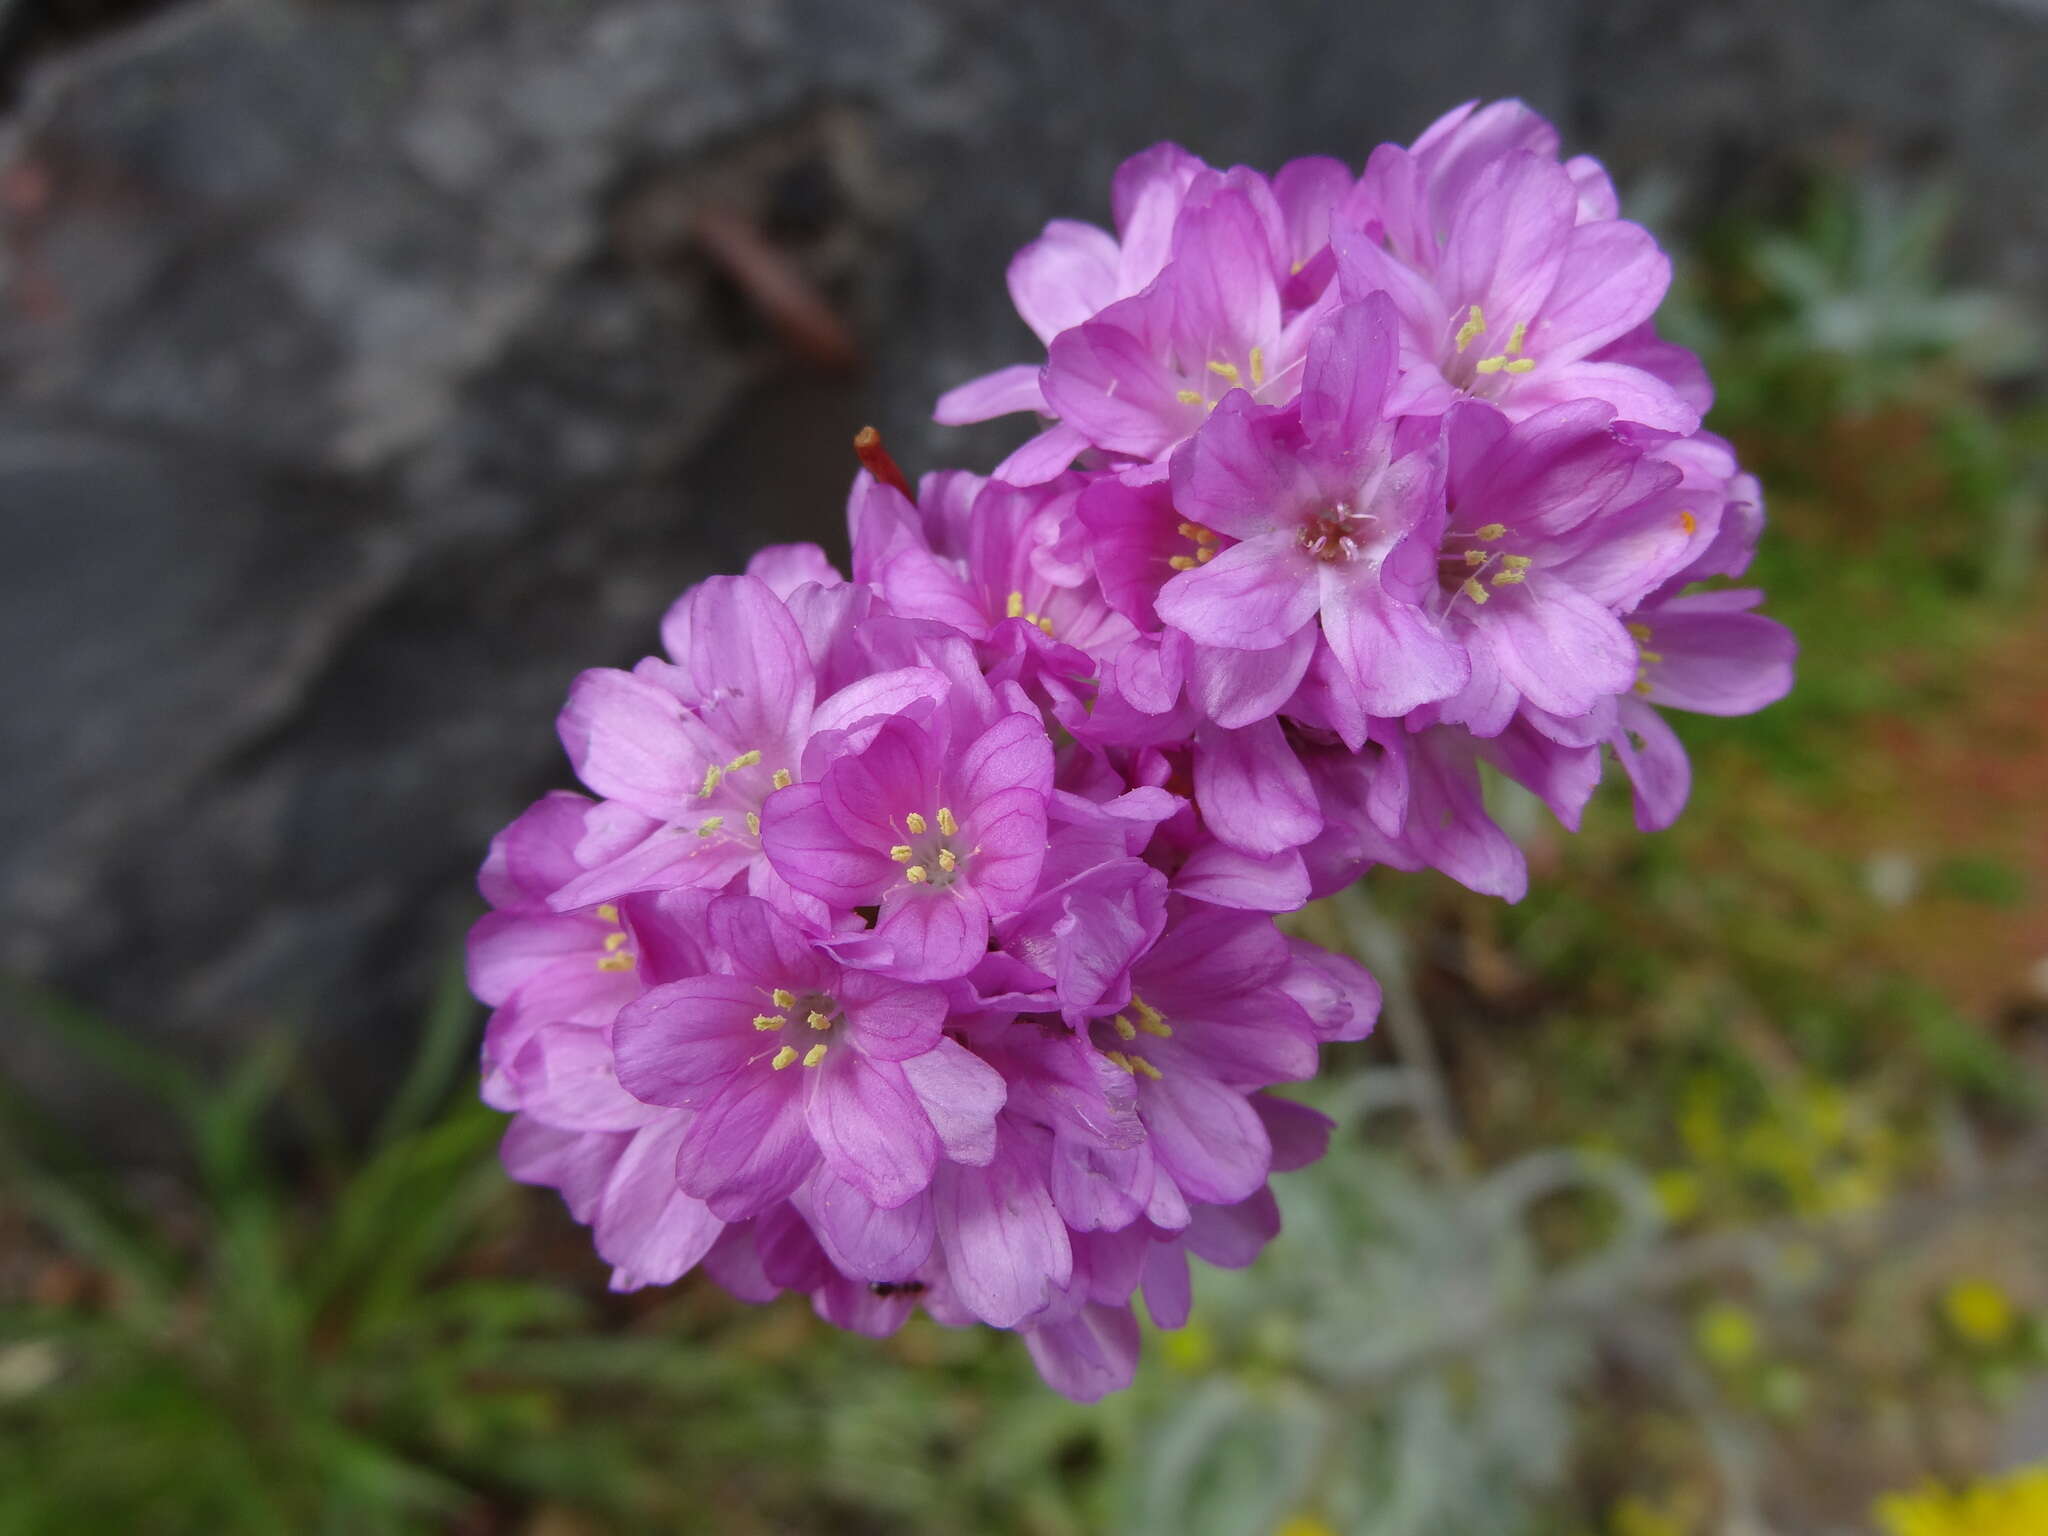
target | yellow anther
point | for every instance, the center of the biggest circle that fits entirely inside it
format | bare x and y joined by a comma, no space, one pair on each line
1515,337
917,874
1509,578
614,942
1258,362
1188,397
753,823
1204,536
815,1054
1223,370
1140,1064
947,824
1205,554
916,822
902,853
1517,562
818,1020
1644,685
1490,364
709,825
1014,608
1641,632
744,760
781,778
619,962
1189,531
769,1021
1475,558
1488,532
1689,523
948,860
786,1057
1121,1060
1125,1027
711,777
1183,562
608,913
1157,1027
1473,590
1044,625
1650,658
1521,365
1475,324
782,997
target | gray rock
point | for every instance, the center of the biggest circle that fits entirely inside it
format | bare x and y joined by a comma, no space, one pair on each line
359,381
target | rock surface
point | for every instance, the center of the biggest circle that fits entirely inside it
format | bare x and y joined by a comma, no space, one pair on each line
360,379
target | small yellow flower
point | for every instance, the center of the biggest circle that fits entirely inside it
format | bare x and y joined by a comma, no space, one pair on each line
1304,1525
1726,1334
1979,1313
2014,1505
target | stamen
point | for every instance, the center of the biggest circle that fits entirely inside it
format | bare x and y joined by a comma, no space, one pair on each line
1014,608
1145,1010
619,962
916,822
1223,370
1641,632
1205,554
753,823
1258,362
917,874
711,777
1492,364
769,1021
1189,531
948,861
1644,685
781,778
709,825
817,1020
1157,1027
902,853
1517,562
1689,523
1183,562
614,942
947,825
1475,558
1491,531
1045,626
610,914
1140,1065
786,1057
1188,397
744,760
782,997
1521,365
1472,329
1515,337
1125,1027
1650,658
815,1054
1509,578
1121,1060
1473,590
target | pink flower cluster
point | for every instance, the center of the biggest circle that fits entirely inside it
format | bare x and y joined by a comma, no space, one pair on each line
919,948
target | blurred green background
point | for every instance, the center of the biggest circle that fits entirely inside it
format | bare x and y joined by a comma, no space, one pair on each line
1700,1193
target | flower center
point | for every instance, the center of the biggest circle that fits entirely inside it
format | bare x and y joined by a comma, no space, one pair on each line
745,798
1336,533
616,956
930,858
818,1010
1150,1022
1472,364
1468,569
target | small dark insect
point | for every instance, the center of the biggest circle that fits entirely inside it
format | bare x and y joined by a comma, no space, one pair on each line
896,1287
